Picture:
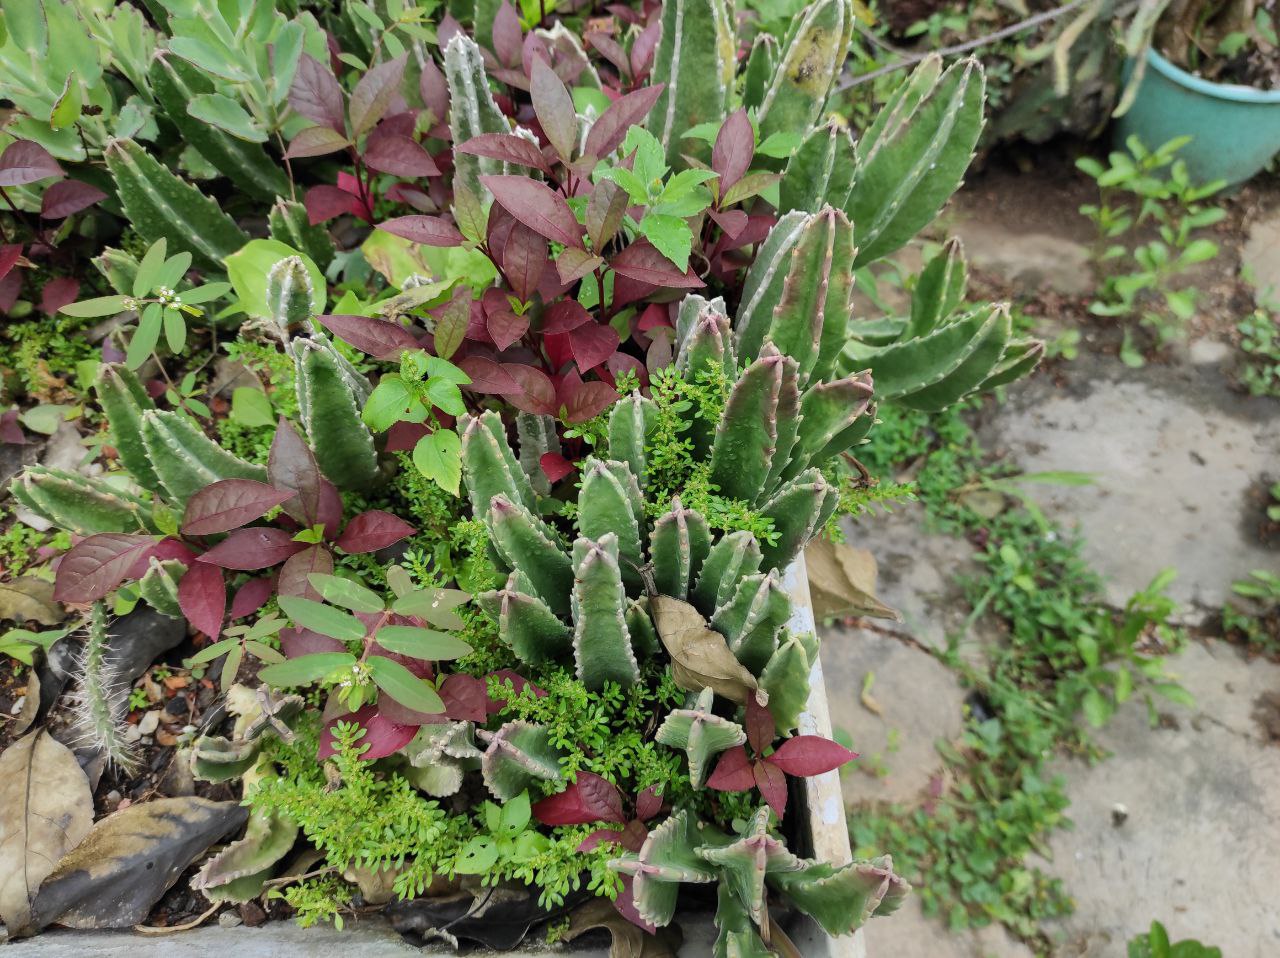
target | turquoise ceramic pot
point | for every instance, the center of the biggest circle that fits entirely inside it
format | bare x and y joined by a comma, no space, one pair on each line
1235,129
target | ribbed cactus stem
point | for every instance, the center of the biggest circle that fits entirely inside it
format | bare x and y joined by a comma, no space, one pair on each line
526,623
81,504
288,223
124,400
811,59
185,459
607,505
821,172
331,396
798,511
630,422
762,288
489,465
289,293
101,708
538,437
730,559
677,548
472,111
526,543
601,642
747,434
695,61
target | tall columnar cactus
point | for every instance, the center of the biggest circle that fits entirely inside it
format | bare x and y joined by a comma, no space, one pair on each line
99,714
160,205
289,293
812,55
820,171
472,111
288,223
695,60
81,504
331,395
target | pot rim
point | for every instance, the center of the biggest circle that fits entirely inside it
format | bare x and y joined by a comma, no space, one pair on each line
1235,92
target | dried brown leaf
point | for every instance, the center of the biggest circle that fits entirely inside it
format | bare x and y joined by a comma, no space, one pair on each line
700,656
629,941
28,599
842,581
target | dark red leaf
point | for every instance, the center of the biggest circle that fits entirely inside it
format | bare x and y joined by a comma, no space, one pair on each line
11,287
487,376
589,799
772,785
11,430
610,49
295,643
733,222
403,436
643,49
251,596
734,149
382,737
228,504
373,530
252,548
97,565
642,262
465,697
572,264
807,755
330,515
315,141
163,550
393,711
505,327
625,904
733,772
58,293
553,105
537,206
600,836
372,96
506,147
432,86
324,202
380,338
592,344
9,254
65,197
297,569
761,730
202,596
398,155
524,258
648,803
25,161
507,36
315,94
426,230
608,132
555,466
292,466
537,392
563,316
588,401
448,29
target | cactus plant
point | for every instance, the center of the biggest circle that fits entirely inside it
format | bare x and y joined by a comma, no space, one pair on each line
99,715
811,57
471,113
695,60
81,504
331,394
288,223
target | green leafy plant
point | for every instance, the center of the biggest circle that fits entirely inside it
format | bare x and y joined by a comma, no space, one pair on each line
1155,944
1138,186
1260,342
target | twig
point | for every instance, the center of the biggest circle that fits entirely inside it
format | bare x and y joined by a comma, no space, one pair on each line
1011,30
290,879
186,926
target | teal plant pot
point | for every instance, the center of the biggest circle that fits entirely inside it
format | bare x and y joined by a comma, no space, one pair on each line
1235,129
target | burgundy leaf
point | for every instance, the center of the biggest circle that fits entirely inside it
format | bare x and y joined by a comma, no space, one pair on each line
537,392
608,132
432,86
648,803
733,222
487,376
398,155
772,785
599,837
733,772
506,147
316,141
393,711
412,196
382,737
251,596
592,344
625,904
564,315
507,36
9,254
555,466
228,504
25,161
524,258
807,755
642,51
380,338
11,430
297,569
373,530
58,293
589,799
572,264
373,94
291,466
315,94
448,29
761,729
295,643
252,548
610,49
324,202
505,327
588,401
330,514
202,596
65,197
163,550
97,565
642,262
553,105
537,206
11,287
734,149
403,436
426,230
465,698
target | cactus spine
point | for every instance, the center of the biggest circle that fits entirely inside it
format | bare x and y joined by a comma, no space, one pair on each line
100,711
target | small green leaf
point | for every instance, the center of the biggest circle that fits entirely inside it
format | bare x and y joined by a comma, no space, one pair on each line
251,407
446,395
421,643
175,330
227,115
1096,708
390,402
438,456
149,269
671,236
477,856
98,306
66,109
322,618
305,669
44,418
403,686
145,337
344,592
210,652
433,605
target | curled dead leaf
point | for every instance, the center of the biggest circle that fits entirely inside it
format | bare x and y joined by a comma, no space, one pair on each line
629,941
28,599
842,581
700,656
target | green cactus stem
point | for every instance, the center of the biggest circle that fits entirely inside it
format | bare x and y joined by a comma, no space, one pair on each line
528,544
81,504
159,586
746,436
798,510
677,549
752,619
538,437
526,623
812,55
289,293
762,287
490,466
746,863
732,558
607,505
820,172
828,413
99,713
630,421
601,643
288,223
331,394
472,111
701,733
786,679
842,898
695,61
668,858
124,400
185,459
517,756
762,66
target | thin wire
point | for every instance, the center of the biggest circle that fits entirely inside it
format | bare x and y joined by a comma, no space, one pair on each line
914,58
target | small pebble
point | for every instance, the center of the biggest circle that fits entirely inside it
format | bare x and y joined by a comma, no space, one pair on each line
131,733
17,705
229,919
149,723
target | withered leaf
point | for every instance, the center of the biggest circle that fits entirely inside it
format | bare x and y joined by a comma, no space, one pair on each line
27,599
629,941
46,809
130,859
700,656
842,581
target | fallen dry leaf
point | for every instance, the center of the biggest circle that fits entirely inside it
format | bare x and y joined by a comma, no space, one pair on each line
46,809
842,581
700,656
27,599
629,941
